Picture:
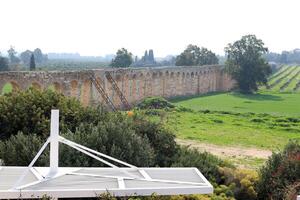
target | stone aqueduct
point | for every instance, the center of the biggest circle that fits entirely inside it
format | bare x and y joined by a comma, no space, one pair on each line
135,84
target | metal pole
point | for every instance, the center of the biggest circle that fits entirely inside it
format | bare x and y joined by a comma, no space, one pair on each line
54,143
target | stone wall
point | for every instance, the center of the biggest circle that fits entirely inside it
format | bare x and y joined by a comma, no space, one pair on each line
136,83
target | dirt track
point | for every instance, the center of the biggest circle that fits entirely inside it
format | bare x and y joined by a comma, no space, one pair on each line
226,151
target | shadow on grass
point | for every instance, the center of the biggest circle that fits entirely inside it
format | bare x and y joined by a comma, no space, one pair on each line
258,97
183,98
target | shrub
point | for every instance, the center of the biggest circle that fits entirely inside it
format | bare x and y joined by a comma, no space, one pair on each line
257,120
280,173
207,163
155,103
115,139
20,149
29,112
242,182
160,138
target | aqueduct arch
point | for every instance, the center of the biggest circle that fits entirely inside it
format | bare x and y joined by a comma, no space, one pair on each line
135,84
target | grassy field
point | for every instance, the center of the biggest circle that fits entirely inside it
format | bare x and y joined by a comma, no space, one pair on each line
260,131
286,79
264,122
264,102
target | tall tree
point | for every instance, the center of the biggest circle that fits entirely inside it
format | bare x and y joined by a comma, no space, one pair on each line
122,59
196,56
32,63
25,57
3,63
12,54
246,63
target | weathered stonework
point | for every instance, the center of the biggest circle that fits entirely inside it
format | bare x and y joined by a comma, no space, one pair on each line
135,84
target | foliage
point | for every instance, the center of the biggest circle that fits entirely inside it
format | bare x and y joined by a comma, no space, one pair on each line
29,112
114,137
242,182
20,149
206,162
280,174
12,55
160,138
246,64
285,57
3,63
122,59
155,103
32,63
195,56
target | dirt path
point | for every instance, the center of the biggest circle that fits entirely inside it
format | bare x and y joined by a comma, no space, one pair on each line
226,151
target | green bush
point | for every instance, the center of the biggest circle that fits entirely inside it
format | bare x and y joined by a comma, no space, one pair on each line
115,139
29,112
155,103
280,174
118,140
160,138
241,181
20,149
207,163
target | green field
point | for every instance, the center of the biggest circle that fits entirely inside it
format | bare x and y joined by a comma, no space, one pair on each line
286,79
260,131
265,102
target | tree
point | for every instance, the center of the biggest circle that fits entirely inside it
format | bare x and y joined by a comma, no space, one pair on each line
195,56
246,63
280,176
25,57
32,63
123,59
39,56
12,56
3,64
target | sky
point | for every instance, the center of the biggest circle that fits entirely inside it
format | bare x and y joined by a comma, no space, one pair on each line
100,27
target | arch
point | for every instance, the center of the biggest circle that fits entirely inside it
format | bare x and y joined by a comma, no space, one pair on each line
36,85
74,88
86,92
192,75
172,74
154,75
9,87
55,86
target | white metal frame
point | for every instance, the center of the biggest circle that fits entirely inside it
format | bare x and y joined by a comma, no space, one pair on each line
44,174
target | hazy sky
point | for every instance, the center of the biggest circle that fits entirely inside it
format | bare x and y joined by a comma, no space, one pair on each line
99,27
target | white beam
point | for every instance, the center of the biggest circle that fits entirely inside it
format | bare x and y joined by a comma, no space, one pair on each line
54,135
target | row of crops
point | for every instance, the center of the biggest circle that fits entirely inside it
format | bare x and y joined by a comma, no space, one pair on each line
286,79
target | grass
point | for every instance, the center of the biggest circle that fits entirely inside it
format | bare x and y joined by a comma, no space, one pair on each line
233,129
285,79
264,102
7,88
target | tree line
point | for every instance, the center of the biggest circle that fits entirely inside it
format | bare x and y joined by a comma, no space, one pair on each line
245,61
27,58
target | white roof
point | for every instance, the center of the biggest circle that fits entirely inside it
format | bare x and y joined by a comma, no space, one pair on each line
91,182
